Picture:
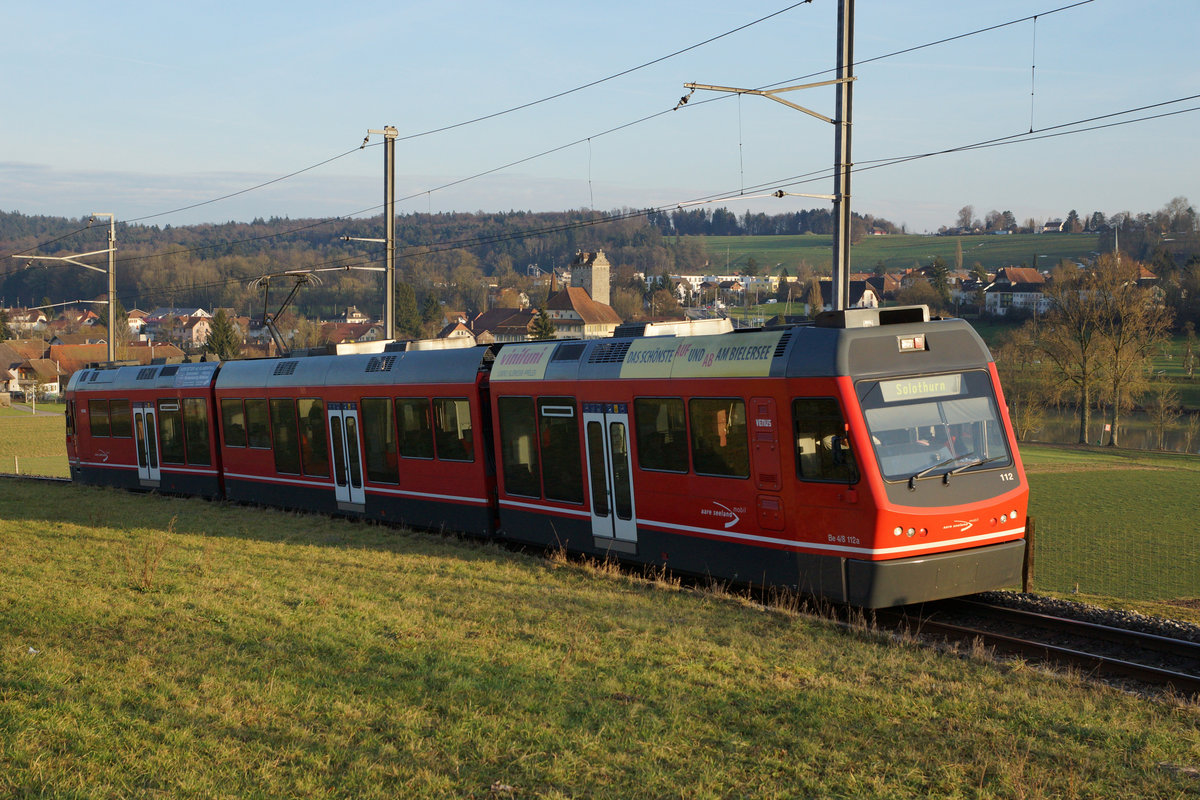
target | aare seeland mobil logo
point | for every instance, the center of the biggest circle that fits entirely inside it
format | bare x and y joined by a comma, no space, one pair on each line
723,512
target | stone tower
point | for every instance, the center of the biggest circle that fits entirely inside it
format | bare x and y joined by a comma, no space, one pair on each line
592,272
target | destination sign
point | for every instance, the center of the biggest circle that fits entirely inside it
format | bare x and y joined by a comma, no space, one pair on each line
920,388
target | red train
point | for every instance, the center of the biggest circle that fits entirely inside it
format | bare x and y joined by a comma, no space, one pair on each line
867,459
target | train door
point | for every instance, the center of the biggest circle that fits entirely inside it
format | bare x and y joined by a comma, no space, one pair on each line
347,456
610,475
145,432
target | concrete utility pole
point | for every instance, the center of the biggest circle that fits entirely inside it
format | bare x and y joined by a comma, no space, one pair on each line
112,274
842,162
389,134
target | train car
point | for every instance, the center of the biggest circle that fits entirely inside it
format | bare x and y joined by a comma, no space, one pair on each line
868,458
144,427
395,436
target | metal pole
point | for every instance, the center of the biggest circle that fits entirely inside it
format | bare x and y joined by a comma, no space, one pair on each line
842,162
112,287
389,212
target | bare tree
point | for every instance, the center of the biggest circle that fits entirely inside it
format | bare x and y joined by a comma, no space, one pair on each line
1132,326
1100,331
1162,407
1026,379
1069,337
966,215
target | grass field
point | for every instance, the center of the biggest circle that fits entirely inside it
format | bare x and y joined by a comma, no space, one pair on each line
180,648
33,445
896,252
1116,525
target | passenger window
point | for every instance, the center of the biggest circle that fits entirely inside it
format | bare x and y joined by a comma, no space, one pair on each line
719,444
98,417
258,423
120,420
452,429
195,425
416,434
822,448
661,433
379,437
283,431
233,420
562,465
314,447
170,432
518,449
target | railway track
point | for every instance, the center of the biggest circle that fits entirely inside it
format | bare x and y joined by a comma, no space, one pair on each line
1100,651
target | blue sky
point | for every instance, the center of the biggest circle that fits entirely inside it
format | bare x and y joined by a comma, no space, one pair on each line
141,108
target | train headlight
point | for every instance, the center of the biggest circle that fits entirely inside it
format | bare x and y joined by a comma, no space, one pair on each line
1003,518
1013,515
897,531
911,532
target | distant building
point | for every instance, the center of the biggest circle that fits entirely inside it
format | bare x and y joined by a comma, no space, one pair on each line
577,316
592,273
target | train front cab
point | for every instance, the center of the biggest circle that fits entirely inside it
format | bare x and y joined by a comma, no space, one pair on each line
935,457
144,427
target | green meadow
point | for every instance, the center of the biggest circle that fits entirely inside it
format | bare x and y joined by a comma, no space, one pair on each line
1117,526
179,648
772,253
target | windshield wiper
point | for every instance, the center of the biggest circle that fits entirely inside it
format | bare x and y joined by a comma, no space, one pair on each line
978,463
912,482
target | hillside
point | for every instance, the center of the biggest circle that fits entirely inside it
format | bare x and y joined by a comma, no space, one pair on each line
897,252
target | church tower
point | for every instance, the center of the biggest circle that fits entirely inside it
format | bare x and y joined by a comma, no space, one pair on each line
592,272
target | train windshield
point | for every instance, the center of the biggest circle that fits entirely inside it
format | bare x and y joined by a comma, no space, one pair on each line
933,425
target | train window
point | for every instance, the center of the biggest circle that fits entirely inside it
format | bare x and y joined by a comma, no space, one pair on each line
195,428
314,446
661,433
233,420
934,424
98,417
822,449
170,432
562,464
518,450
416,434
379,438
119,419
719,444
452,429
70,418
283,432
258,424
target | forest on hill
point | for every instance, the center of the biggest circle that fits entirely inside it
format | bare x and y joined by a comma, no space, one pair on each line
453,256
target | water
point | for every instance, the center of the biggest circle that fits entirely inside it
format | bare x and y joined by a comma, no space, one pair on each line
1135,431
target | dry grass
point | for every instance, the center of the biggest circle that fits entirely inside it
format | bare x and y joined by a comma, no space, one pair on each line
275,654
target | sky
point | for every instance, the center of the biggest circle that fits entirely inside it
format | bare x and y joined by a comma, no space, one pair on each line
181,113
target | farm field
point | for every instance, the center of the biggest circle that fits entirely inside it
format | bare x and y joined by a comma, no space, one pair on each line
184,648
896,252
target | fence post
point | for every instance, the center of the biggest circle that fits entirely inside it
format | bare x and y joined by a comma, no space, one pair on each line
1027,567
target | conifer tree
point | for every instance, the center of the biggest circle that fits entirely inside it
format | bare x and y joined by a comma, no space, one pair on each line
223,340
543,326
